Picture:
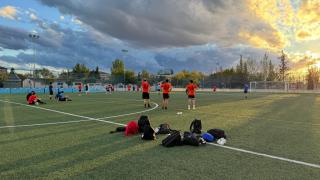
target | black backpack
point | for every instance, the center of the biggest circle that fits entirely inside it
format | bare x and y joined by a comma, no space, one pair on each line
195,126
217,133
148,133
143,121
174,139
192,139
164,129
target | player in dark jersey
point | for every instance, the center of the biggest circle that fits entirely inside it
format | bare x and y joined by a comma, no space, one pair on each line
246,90
50,90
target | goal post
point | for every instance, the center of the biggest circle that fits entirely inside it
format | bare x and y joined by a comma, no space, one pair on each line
269,86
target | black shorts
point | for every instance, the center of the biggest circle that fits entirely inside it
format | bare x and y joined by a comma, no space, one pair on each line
51,92
80,90
191,96
145,95
245,92
158,90
165,96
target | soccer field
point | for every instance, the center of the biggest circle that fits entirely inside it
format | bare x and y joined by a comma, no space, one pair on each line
270,136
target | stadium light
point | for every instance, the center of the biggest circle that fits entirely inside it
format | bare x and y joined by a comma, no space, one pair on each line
124,69
33,38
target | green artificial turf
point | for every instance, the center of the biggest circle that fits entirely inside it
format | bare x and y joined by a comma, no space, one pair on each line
285,125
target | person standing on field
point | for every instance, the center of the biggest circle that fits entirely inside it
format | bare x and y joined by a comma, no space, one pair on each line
50,91
166,88
146,93
191,92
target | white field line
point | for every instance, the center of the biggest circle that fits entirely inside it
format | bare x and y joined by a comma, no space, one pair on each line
75,115
61,112
44,124
226,147
128,114
267,155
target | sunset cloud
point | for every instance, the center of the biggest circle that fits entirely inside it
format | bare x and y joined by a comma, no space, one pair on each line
9,12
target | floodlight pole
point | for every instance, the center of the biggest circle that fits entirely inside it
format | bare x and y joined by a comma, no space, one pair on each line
124,68
33,38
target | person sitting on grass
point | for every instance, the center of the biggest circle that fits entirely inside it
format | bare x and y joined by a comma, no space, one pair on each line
33,99
61,97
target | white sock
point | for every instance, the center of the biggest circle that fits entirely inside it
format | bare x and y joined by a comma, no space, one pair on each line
189,107
194,107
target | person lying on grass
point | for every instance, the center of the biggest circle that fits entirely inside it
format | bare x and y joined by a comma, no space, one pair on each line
33,99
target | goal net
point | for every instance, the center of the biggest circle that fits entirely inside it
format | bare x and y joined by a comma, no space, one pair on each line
269,86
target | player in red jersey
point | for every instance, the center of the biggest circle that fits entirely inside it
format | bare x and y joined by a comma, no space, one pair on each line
191,92
146,93
166,88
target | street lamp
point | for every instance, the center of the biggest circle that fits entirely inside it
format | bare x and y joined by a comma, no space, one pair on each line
124,69
33,38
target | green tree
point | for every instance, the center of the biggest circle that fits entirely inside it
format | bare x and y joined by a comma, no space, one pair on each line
312,78
145,74
130,77
265,67
117,67
44,73
283,66
272,75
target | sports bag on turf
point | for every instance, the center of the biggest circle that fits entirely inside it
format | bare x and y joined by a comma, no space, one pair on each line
217,133
174,139
143,120
148,133
192,139
195,126
164,129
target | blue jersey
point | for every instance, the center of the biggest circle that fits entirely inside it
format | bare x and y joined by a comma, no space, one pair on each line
246,87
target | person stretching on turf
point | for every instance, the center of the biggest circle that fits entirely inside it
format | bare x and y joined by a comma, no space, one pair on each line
62,97
34,100
145,93
166,88
191,92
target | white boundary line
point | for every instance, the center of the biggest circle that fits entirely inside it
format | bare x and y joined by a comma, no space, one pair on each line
68,122
226,147
267,155
43,124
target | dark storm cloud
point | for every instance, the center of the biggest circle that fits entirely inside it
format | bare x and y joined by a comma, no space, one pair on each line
166,23
13,38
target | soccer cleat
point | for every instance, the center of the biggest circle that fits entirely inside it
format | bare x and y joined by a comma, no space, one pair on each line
194,107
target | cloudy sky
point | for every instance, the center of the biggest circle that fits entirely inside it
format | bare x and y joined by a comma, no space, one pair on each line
177,34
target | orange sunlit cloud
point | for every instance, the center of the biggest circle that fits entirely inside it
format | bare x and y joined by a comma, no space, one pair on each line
292,23
9,12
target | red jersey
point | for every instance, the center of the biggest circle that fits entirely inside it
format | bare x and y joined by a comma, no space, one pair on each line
32,99
191,88
145,87
80,87
166,87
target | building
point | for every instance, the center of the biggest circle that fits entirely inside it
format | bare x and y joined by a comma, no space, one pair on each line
104,76
30,83
13,80
3,70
